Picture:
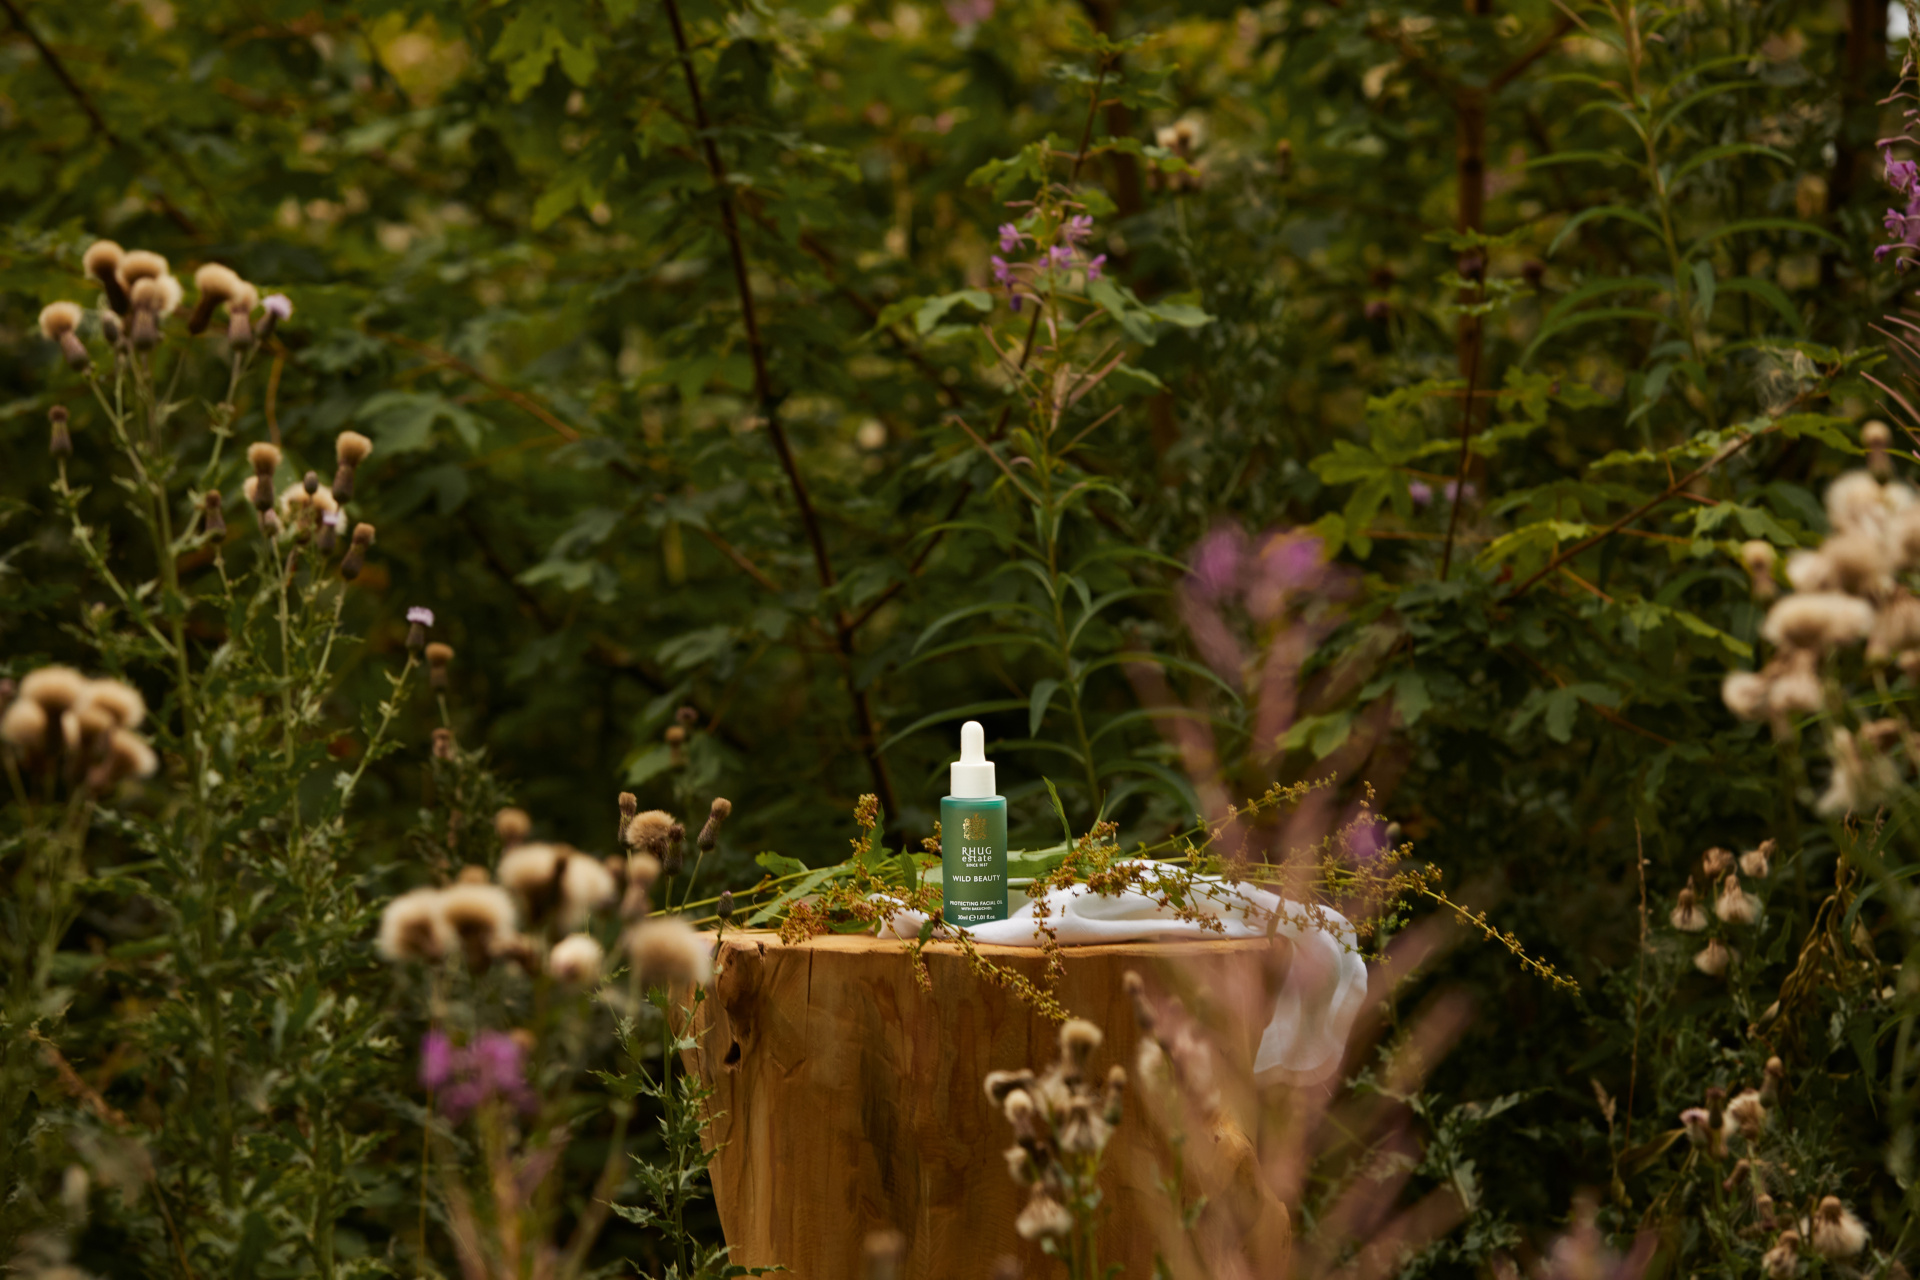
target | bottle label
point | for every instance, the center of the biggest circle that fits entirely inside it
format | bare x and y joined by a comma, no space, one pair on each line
973,856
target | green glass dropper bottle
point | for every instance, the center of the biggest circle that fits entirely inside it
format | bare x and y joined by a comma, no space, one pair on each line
973,836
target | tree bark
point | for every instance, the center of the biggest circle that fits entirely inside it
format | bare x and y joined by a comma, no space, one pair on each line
847,1100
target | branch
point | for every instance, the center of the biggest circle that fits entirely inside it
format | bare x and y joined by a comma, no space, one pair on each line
769,409
1726,451
85,104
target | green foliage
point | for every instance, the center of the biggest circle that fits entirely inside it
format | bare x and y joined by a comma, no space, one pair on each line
690,385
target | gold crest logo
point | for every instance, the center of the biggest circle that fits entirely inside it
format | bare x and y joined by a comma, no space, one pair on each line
974,826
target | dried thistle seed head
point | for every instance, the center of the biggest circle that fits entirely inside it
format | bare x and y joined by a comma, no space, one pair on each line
213,513
481,915
158,296
1687,915
444,747
575,960
1745,1114
58,319
1856,501
884,1251
262,456
1078,1039
724,908
650,831
676,855
629,804
1782,1261
1713,959
110,327
1896,628
311,483
675,735
438,654
215,284
141,264
533,872
363,534
586,886
350,448
1137,992
667,951
120,701
1715,861
102,260
1861,565
512,826
1044,1218
24,725
642,870
1116,1093
59,439
1817,621
717,816
472,874
1000,1084
56,689
1876,439
413,927
239,316
1836,1232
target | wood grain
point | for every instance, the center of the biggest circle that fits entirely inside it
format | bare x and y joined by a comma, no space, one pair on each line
847,1100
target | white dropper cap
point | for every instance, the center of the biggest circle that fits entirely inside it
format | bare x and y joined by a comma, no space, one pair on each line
971,777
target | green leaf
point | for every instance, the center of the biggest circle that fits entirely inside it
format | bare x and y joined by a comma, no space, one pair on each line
1043,691
1597,212
1060,810
1762,224
929,314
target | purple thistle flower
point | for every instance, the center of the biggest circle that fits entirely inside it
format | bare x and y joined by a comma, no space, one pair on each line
333,520
420,615
436,1059
1010,237
1076,229
1420,491
1094,266
277,305
491,1067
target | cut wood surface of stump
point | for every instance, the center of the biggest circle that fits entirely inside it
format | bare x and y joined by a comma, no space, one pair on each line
848,1100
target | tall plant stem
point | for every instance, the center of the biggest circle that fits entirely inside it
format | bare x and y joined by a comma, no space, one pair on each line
843,630
1466,437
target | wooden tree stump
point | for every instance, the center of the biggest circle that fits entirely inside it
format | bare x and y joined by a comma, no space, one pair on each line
848,1100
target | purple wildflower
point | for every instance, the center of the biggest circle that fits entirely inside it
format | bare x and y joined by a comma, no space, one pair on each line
1060,256
436,1059
420,614
1094,266
1002,273
1077,229
1902,226
1010,237
1420,491
489,1068
277,305
333,520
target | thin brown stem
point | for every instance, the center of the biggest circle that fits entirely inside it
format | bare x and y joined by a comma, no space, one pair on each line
1466,437
865,723
1561,557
